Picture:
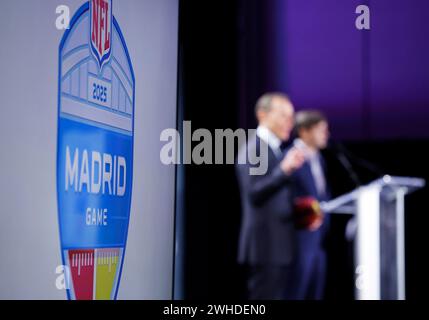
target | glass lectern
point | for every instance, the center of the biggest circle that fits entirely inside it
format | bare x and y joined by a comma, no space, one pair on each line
379,244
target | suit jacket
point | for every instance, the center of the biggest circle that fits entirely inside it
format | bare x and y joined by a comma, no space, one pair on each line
267,230
305,185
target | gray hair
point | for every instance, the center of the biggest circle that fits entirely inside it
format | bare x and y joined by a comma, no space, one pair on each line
264,103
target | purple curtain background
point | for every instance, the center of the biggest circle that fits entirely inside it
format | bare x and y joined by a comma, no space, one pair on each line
372,84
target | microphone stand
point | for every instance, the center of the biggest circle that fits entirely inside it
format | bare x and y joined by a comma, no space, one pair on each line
343,155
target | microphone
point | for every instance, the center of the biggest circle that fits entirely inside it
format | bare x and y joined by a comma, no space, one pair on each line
359,161
298,144
343,155
345,162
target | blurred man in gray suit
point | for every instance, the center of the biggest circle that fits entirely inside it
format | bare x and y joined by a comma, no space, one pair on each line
267,236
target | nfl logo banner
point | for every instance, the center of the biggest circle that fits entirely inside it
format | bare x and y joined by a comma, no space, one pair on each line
94,151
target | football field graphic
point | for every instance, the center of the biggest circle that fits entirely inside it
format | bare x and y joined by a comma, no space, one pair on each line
94,150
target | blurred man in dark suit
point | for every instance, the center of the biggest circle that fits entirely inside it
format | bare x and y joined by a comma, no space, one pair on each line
309,181
266,243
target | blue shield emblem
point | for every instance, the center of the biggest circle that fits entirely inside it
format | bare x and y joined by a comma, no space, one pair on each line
94,151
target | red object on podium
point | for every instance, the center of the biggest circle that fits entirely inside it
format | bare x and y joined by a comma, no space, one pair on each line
307,211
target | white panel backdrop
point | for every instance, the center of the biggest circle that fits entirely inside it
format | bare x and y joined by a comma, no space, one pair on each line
29,236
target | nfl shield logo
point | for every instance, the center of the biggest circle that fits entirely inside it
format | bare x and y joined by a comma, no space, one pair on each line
101,27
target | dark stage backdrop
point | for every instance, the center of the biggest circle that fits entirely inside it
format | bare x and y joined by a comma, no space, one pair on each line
373,87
